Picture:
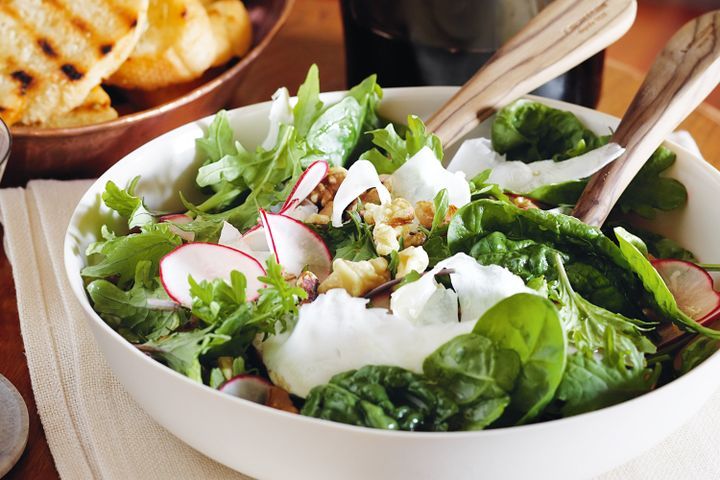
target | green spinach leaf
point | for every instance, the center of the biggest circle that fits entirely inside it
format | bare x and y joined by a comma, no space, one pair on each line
529,325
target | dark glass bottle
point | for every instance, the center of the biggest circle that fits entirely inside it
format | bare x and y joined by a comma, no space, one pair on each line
444,42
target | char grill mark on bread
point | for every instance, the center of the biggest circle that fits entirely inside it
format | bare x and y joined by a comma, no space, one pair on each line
54,52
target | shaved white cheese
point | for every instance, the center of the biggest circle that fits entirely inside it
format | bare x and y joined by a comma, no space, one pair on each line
477,155
337,332
280,113
360,178
479,287
423,176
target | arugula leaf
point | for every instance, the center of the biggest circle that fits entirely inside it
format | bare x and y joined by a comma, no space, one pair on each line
353,241
588,326
142,313
696,352
218,141
591,384
122,254
479,188
441,205
530,131
661,297
308,105
396,150
127,204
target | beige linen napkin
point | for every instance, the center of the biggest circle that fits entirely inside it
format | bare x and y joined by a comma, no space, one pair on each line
93,427
95,430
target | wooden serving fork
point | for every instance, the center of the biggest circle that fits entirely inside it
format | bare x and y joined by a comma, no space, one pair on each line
561,36
683,75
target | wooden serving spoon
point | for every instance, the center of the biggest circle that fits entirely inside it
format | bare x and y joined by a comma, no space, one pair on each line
684,73
561,36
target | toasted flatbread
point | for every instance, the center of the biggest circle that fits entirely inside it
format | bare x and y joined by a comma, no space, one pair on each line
232,29
178,46
95,109
54,52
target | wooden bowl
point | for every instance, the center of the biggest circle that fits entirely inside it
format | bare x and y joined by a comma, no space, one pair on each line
87,151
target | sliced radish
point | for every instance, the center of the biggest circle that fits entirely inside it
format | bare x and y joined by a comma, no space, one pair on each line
360,178
249,387
310,178
295,246
252,242
206,261
302,212
179,219
692,288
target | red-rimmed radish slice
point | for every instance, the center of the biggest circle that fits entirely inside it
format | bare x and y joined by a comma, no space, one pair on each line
692,288
302,212
360,178
206,261
249,387
310,178
295,246
179,219
253,242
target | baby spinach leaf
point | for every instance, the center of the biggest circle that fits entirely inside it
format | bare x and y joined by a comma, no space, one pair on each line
470,367
529,325
525,258
590,384
382,397
661,296
530,131
657,245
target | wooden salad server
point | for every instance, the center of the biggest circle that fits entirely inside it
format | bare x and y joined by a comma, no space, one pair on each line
561,36
684,73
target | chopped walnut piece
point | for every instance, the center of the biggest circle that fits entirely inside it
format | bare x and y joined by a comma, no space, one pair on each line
308,282
396,213
357,278
385,239
326,190
317,219
412,237
280,399
425,212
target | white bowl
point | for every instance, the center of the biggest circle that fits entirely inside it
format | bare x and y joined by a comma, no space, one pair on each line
267,443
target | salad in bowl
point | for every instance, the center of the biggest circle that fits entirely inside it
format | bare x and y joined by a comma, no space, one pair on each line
345,270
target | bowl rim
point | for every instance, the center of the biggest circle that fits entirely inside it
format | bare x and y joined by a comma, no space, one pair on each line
5,155
192,95
709,364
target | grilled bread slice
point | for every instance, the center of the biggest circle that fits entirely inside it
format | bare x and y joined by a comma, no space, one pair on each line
231,27
95,109
178,46
54,52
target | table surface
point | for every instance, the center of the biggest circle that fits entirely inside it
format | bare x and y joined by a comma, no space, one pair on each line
313,34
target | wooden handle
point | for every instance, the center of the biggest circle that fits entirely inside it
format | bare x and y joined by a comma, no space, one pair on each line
561,36
684,73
